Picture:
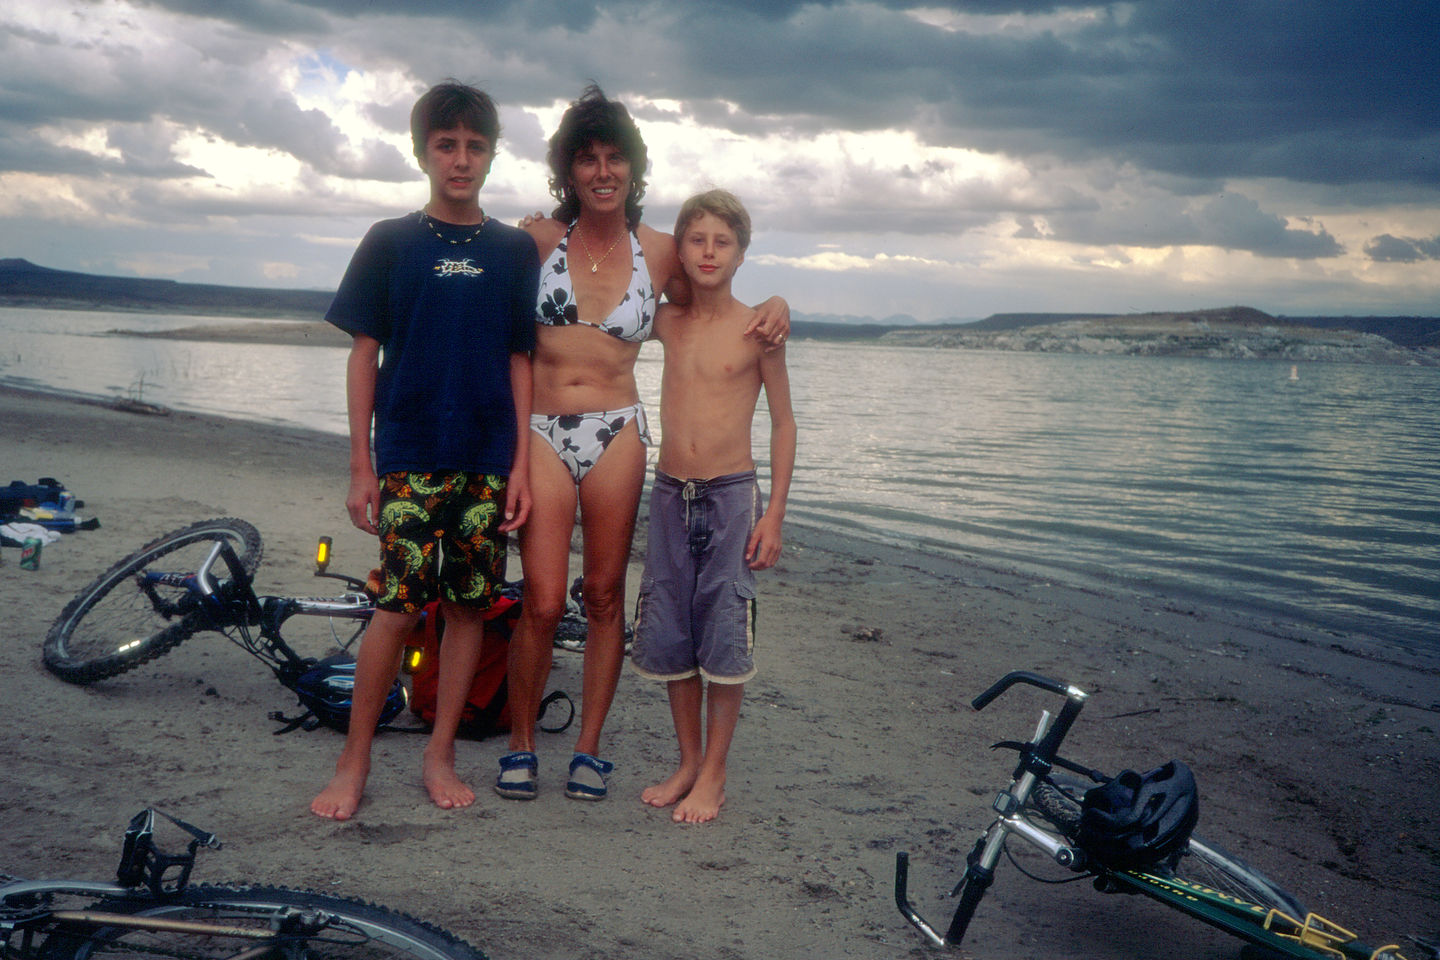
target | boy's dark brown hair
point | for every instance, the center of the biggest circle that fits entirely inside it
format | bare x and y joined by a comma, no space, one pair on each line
451,103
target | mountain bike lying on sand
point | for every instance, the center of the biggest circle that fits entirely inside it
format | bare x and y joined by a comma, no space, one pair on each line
1052,813
200,578
152,910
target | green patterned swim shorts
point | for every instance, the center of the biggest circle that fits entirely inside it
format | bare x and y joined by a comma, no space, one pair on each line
440,536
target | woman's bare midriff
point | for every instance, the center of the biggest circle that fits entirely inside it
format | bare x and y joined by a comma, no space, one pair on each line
579,369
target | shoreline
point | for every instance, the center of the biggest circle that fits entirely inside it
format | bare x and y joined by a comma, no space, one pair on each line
1315,759
1124,335
278,332
1251,616
1265,630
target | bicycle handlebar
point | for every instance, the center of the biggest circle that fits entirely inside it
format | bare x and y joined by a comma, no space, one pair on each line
1023,676
223,550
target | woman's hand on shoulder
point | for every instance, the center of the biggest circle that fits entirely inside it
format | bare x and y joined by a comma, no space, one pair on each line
547,232
771,325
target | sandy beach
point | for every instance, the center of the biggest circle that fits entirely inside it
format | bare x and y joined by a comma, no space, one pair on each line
1316,754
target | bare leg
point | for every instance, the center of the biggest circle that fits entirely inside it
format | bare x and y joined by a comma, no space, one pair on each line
375,668
545,558
609,500
686,697
707,796
459,657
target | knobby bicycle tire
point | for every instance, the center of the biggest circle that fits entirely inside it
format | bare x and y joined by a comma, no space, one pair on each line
357,931
1202,862
1052,800
113,625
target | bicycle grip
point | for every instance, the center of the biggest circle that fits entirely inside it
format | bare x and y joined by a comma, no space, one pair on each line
972,891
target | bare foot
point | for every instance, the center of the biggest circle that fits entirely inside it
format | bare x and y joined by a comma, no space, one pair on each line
341,796
702,803
670,790
446,789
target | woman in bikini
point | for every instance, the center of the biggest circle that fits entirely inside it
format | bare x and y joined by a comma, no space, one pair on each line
602,271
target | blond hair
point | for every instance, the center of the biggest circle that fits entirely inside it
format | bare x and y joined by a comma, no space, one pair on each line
719,203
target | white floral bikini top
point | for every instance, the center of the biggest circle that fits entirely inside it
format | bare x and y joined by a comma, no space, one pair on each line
631,320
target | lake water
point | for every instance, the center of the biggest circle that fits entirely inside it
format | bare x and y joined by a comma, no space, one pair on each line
1315,499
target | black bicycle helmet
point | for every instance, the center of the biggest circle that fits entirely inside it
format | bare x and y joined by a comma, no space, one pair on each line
1139,819
327,687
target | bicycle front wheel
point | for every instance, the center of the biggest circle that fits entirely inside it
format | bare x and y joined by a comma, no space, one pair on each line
1210,866
307,926
127,617
1202,862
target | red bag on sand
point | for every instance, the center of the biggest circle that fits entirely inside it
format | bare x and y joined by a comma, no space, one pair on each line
487,707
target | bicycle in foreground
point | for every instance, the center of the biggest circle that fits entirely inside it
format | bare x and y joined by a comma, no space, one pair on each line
153,910
1196,877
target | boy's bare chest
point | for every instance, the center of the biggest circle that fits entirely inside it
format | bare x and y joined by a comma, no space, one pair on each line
712,355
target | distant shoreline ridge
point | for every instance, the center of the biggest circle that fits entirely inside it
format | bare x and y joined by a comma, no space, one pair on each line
295,317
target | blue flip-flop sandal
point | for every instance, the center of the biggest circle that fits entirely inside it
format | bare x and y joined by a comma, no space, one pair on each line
588,777
518,775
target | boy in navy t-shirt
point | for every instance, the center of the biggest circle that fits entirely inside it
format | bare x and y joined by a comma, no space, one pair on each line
440,303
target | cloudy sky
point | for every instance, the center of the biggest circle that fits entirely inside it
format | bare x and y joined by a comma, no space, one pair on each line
940,160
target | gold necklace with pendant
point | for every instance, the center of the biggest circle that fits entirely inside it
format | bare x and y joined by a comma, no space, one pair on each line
595,264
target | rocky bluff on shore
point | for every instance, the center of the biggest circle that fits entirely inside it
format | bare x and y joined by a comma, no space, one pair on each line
1233,333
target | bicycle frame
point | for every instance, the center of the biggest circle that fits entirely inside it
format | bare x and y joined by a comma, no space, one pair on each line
1308,937
232,604
145,871
148,876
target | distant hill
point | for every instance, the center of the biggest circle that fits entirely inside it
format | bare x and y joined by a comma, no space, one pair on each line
1227,332
26,284
1402,331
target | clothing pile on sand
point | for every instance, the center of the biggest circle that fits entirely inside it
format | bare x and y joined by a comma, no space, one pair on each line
41,511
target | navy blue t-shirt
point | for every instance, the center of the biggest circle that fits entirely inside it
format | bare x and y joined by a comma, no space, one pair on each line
448,316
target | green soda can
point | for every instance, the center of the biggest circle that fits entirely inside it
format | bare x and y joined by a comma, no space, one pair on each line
30,553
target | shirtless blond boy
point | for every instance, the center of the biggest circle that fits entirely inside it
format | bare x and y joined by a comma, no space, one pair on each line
708,534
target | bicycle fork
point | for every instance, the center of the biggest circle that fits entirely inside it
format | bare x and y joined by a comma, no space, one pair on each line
983,858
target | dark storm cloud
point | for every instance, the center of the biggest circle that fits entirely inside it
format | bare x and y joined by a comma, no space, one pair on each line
1321,91
21,152
1391,249
310,136
209,84
1318,91
283,17
276,17
1196,123
1158,219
